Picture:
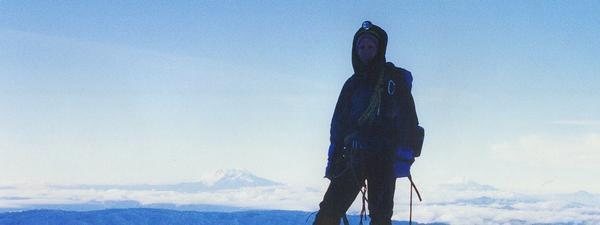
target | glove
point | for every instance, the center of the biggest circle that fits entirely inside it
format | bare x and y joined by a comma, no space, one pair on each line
403,159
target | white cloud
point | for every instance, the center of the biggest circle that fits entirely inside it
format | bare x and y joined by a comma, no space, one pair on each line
458,202
527,214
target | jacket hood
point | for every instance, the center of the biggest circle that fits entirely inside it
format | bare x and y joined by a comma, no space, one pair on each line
379,60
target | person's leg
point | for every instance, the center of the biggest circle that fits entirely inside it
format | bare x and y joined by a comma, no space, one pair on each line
381,184
342,191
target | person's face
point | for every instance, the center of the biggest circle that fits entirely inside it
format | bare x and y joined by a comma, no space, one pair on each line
367,49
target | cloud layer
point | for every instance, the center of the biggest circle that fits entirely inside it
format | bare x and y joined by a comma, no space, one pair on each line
460,202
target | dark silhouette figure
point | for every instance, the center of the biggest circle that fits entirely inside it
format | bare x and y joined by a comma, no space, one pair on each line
372,130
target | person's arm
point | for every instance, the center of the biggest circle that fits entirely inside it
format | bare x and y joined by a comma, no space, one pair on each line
339,126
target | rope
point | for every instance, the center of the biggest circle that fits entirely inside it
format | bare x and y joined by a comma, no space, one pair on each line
363,186
363,211
374,104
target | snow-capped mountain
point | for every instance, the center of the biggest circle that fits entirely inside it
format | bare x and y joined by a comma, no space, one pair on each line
233,178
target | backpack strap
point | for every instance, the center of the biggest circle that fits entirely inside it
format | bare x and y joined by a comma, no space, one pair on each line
410,209
412,186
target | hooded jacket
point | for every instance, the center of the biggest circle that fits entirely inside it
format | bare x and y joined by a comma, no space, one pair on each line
396,117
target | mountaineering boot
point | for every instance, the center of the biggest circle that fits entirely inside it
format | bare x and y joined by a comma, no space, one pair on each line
322,219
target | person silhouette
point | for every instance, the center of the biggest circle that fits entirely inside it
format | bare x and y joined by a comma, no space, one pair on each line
371,130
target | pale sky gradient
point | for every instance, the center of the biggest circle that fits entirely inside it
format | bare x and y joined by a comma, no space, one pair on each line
147,92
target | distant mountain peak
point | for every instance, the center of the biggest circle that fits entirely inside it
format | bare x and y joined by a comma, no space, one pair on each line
211,178
234,178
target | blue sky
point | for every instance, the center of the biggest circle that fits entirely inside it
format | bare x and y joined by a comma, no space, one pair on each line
141,92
